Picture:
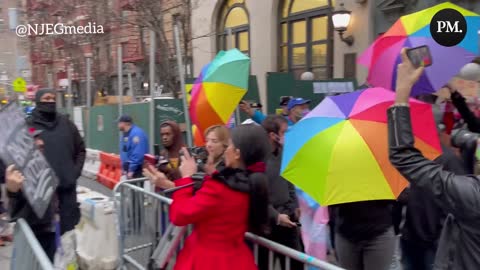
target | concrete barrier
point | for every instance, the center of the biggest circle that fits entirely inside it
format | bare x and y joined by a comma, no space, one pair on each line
96,226
92,164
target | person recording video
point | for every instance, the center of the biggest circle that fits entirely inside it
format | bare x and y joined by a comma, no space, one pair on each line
229,203
458,195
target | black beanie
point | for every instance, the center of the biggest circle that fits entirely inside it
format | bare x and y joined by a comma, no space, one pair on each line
42,92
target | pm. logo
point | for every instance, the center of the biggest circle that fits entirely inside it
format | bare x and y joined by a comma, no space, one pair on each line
448,27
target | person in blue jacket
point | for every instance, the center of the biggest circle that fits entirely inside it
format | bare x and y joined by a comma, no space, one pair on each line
133,147
297,109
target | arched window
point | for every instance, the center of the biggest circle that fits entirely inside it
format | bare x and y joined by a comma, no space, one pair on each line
306,37
233,27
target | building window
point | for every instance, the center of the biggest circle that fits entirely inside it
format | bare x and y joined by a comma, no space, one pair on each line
233,27
306,37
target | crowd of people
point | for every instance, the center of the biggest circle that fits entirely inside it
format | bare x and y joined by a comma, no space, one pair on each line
363,235
63,147
237,187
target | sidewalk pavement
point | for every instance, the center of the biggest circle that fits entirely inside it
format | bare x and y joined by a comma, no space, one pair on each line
5,255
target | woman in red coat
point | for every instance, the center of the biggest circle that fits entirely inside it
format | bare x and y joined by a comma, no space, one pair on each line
229,203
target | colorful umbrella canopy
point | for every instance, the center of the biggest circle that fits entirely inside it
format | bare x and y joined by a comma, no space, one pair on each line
413,30
219,88
338,153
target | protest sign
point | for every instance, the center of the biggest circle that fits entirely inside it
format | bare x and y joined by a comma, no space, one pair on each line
17,147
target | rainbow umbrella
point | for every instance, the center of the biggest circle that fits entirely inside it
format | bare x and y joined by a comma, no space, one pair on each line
338,153
219,88
413,30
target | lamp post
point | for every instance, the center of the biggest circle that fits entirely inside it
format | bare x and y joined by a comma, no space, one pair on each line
341,19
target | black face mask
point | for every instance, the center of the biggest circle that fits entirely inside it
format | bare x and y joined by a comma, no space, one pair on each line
46,107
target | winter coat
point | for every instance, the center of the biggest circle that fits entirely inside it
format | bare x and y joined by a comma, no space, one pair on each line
459,244
65,152
220,218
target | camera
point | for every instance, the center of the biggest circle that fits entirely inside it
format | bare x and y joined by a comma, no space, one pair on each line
466,141
200,154
254,105
462,138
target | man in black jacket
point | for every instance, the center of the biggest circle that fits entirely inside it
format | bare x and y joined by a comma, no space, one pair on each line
424,218
283,209
459,245
64,149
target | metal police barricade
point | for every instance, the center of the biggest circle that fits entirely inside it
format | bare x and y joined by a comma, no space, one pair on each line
27,252
154,242
142,216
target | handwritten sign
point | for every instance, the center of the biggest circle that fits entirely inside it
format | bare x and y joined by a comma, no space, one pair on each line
17,147
167,108
168,111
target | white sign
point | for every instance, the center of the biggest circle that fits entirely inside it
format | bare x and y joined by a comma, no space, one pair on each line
63,82
332,87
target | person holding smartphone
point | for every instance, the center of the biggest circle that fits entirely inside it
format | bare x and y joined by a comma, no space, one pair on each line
229,203
172,142
459,244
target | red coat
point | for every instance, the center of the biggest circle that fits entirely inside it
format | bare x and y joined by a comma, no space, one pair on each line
220,218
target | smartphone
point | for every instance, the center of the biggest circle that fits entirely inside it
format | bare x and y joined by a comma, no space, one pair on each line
150,159
420,56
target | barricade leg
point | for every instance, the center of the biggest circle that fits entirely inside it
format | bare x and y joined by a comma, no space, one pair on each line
136,249
138,223
27,252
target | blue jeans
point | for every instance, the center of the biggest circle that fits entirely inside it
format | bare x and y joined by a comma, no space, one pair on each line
417,257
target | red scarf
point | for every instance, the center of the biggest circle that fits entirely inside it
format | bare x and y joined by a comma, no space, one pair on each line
449,121
258,167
